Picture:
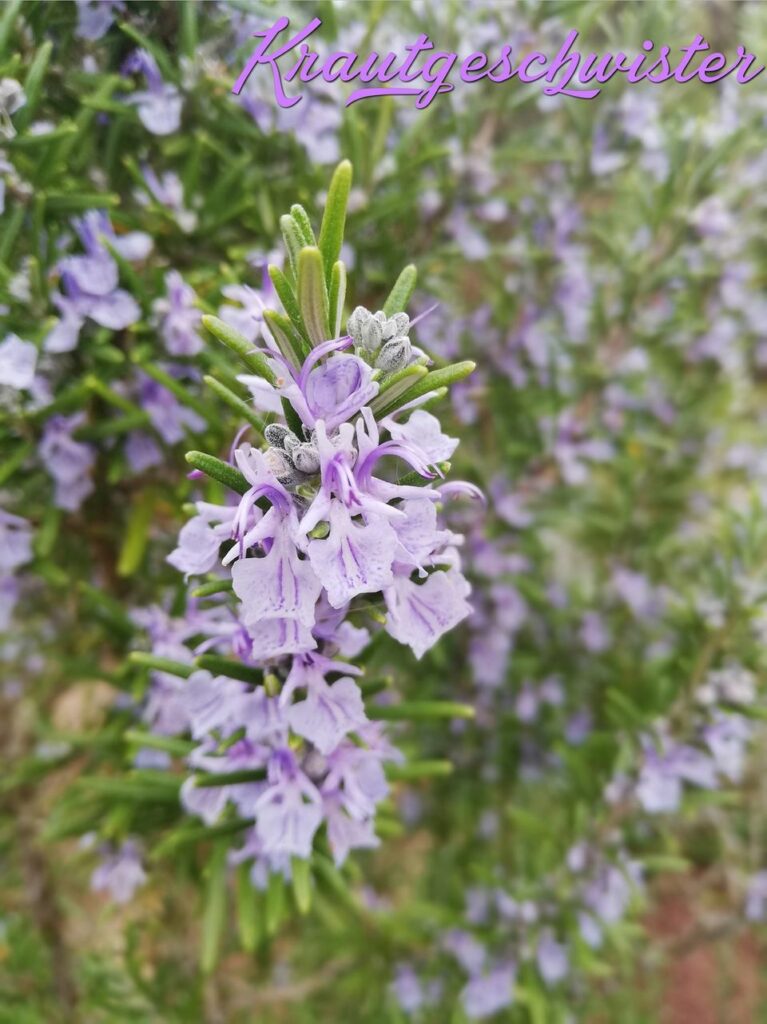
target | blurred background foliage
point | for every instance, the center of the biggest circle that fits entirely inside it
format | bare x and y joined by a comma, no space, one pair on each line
604,264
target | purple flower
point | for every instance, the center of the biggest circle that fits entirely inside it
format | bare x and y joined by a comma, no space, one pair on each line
329,712
159,105
552,959
168,190
178,317
289,811
142,451
486,994
332,392
756,897
94,17
346,833
168,416
90,282
18,360
69,462
419,614
120,872
200,539
248,317
726,738
15,542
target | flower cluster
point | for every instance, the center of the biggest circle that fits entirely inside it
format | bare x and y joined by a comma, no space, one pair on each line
323,529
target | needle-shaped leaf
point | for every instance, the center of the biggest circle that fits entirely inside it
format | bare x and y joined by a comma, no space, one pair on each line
301,217
337,297
313,295
218,470
221,666
302,884
233,340
289,341
334,218
402,291
288,299
237,404
214,913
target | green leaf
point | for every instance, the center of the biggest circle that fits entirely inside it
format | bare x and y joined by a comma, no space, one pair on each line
337,297
214,912
420,710
210,780
212,587
197,834
292,418
253,361
218,470
7,23
163,789
137,534
275,903
170,744
431,382
239,405
173,668
289,341
33,84
334,218
179,391
396,385
304,225
188,28
221,666
248,921
402,291
294,240
411,770
313,295
414,479
302,884
288,299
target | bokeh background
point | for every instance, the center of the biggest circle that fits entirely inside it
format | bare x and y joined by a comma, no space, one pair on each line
599,851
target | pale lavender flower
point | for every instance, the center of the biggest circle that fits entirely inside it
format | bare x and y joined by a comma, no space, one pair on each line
756,897
69,462
200,539
726,738
245,310
18,360
90,282
159,105
95,17
424,431
486,994
178,318
142,451
594,633
120,873
328,712
168,416
15,542
168,190
289,811
419,614
552,958
407,989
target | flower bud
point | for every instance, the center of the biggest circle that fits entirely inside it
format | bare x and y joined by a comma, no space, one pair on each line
279,464
396,326
305,458
356,322
275,434
394,355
